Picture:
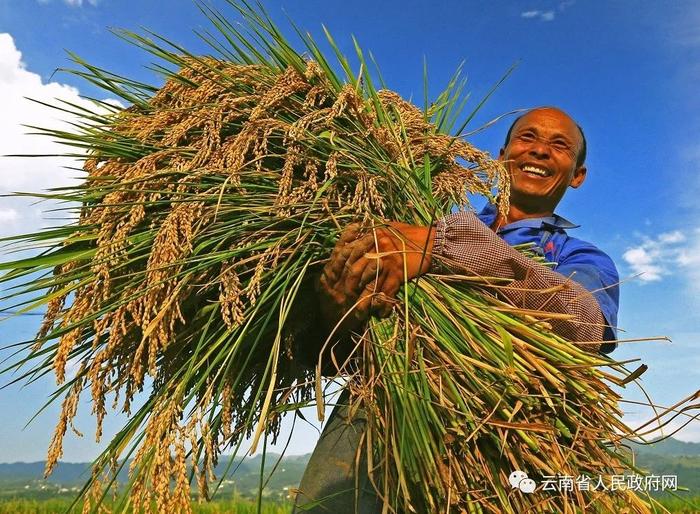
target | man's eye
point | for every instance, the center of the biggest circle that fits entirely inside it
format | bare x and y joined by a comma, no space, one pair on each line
560,145
527,136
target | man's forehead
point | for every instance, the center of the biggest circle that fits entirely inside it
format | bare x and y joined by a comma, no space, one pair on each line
548,118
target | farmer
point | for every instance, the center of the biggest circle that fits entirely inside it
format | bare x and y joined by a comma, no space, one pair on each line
544,151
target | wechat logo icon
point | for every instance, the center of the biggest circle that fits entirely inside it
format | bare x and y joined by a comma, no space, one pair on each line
520,480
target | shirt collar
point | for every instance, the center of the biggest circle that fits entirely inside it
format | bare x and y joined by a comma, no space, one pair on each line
488,216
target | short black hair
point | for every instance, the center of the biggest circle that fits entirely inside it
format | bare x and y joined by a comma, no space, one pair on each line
580,158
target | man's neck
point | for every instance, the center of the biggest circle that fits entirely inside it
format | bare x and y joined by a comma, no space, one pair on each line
516,214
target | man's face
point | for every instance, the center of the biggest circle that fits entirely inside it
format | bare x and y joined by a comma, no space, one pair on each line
541,157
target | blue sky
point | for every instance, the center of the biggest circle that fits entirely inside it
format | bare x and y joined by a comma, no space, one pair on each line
626,70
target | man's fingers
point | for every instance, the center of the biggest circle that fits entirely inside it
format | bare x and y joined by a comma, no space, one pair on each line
370,274
362,273
385,290
339,261
349,234
363,305
391,285
334,267
327,288
359,248
371,283
355,263
382,305
336,262
342,259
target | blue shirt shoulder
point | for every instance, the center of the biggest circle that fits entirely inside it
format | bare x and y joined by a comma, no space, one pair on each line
582,261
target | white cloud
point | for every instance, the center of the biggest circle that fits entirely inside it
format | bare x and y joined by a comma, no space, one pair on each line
8,215
666,254
536,14
566,4
21,215
679,428
73,3
672,237
644,261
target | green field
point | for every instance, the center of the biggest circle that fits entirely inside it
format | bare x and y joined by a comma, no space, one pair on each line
23,491
59,506
677,505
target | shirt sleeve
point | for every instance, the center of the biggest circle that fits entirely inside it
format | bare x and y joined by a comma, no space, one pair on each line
596,271
465,245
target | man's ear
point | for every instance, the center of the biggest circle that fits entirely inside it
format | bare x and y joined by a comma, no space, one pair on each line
501,153
579,177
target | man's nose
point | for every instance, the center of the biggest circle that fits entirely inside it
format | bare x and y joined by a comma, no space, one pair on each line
539,149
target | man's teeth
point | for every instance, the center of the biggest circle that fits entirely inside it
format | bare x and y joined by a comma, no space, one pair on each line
536,171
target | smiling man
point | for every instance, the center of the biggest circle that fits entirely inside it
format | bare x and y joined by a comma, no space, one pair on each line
545,152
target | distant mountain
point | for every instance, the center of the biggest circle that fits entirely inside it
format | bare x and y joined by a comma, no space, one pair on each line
668,447
668,457
26,478
65,472
70,473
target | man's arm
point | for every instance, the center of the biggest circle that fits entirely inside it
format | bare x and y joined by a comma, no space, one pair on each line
365,268
465,245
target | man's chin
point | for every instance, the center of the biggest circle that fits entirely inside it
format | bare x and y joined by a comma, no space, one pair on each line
531,201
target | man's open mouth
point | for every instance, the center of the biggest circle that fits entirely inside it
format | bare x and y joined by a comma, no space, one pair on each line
535,170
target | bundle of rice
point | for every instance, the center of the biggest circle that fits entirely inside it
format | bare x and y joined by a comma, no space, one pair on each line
210,205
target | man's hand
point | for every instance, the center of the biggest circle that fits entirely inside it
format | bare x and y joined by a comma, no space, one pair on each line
367,269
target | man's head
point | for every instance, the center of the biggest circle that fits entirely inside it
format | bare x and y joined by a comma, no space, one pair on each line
545,152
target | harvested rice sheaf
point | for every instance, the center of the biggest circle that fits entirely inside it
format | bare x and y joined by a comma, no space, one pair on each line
208,209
